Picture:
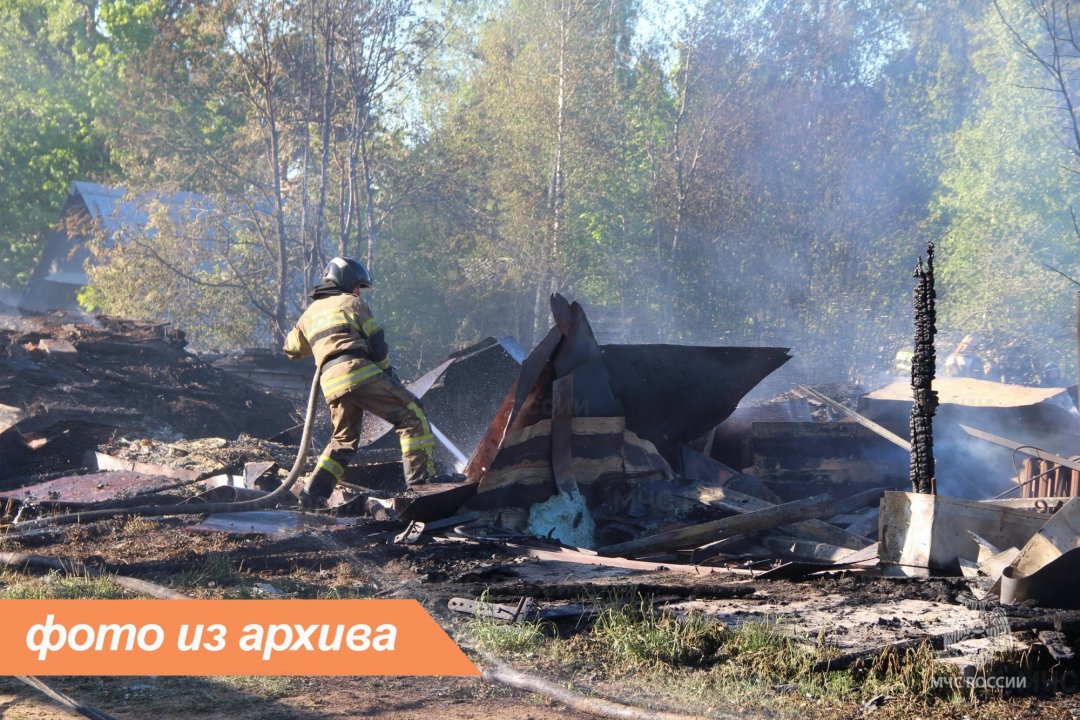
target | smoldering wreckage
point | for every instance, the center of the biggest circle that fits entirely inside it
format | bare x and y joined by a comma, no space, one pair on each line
587,467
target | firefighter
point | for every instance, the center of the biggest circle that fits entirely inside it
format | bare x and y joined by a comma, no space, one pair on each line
339,330
1051,376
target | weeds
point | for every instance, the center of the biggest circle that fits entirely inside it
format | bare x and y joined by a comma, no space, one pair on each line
914,671
502,638
136,526
58,586
214,570
697,661
633,636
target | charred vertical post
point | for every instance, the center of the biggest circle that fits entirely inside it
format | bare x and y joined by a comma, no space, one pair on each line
925,400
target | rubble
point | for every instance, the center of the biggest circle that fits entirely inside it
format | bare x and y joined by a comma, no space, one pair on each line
933,532
591,468
1046,568
74,385
1026,415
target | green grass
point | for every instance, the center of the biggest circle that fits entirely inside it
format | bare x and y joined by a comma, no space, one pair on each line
694,662
58,586
502,638
635,635
213,568
507,639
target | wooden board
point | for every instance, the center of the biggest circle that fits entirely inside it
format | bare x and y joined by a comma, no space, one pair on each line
796,459
813,530
808,508
932,531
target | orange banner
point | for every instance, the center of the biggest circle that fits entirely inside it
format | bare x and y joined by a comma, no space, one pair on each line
225,637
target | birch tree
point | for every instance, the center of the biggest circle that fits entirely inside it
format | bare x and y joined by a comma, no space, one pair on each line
269,110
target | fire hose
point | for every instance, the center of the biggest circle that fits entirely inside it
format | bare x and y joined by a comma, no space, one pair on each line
18,529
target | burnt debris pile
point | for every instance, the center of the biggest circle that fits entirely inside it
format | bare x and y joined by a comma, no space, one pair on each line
620,453
69,385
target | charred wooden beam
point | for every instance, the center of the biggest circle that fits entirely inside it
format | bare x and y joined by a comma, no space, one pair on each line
806,509
866,422
922,377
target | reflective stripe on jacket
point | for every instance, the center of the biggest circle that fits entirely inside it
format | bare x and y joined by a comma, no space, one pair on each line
339,326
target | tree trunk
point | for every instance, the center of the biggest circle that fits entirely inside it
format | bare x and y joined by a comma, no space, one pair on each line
539,310
329,61
369,202
279,320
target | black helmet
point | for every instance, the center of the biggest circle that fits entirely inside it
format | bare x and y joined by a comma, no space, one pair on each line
347,273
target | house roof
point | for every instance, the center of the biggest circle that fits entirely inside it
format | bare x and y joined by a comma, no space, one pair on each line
100,200
64,255
116,211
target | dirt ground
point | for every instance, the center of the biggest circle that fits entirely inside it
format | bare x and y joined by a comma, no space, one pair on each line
214,565
358,563
294,699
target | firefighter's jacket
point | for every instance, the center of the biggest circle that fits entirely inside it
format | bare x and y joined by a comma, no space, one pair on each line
339,330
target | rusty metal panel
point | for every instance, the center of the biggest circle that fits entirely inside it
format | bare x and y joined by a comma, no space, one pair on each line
1065,481
490,443
269,523
84,489
529,386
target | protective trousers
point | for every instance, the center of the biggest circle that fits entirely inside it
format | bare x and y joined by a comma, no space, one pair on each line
388,399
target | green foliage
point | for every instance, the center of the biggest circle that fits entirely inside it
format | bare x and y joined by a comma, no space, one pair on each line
61,61
762,173
150,274
1005,199
46,134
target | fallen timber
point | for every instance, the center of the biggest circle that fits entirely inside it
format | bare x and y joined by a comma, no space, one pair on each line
861,419
813,530
814,507
1023,448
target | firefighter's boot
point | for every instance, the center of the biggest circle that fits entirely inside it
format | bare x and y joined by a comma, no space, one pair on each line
317,489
